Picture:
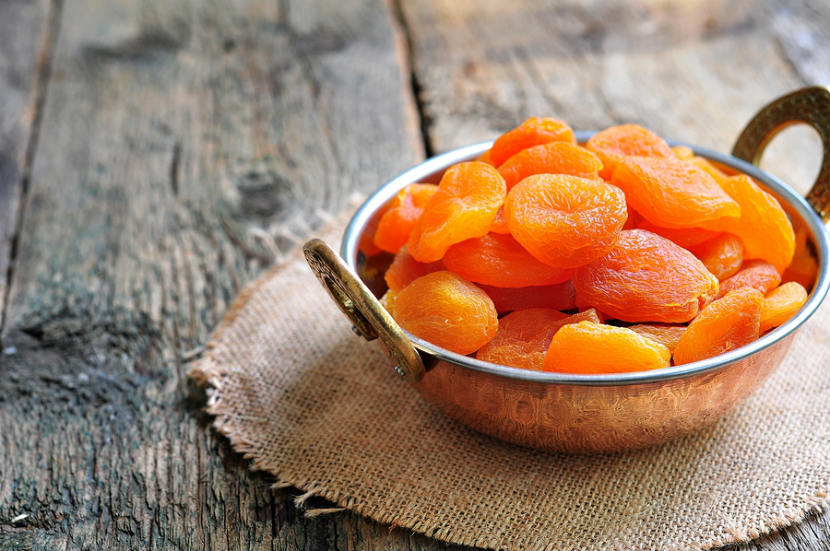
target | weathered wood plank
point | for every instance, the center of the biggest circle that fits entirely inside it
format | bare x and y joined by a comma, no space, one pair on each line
692,71
183,147
23,56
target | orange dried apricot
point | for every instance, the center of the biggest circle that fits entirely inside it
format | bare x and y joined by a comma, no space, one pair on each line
468,197
558,297
781,303
726,324
645,277
624,228
763,226
683,152
388,301
582,305
498,260
722,255
757,274
499,224
590,314
685,237
485,158
672,193
447,310
614,144
706,166
550,158
396,223
405,269
803,267
524,336
565,221
587,347
633,219
533,131
667,335
366,244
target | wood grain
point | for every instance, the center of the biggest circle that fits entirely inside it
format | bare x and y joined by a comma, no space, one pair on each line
182,147
23,55
693,71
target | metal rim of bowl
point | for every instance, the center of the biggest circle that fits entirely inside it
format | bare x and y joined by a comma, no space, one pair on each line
351,236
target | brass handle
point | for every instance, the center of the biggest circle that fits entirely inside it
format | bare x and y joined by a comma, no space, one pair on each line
370,319
808,106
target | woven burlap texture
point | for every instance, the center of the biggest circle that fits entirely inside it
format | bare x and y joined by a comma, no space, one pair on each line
321,409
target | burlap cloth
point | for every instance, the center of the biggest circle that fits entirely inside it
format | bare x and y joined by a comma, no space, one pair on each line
322,410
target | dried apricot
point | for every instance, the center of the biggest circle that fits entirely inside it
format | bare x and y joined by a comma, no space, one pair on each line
534,227
722,255
706,166
633,219
646,277
582,304
499,224
726,324
550,158
397,222
565,221
685,237
588,347
533,131
405,269
465,205
524,336
388,301
614,144
366,244
667,335
683,152
485,158
803,267
757,274
672,193
558,297
447,310
590,314
781,303
498,260
763,226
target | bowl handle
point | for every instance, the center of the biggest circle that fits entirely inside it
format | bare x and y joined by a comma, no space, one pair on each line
370,320
809,105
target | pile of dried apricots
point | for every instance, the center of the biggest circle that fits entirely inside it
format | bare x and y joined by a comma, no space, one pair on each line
620,254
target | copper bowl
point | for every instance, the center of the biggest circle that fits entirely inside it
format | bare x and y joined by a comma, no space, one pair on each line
587,413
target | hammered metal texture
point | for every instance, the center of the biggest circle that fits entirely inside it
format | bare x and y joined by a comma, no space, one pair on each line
809,106
369,318
588,419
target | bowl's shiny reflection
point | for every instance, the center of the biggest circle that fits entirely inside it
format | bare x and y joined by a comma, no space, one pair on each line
574,418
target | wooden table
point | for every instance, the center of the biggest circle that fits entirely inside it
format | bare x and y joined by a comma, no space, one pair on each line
155,156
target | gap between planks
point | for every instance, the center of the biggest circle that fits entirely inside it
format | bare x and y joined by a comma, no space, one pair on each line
43,75
415,85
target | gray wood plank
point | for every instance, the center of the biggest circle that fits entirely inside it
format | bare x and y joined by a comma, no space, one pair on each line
23,57
183,147
694,72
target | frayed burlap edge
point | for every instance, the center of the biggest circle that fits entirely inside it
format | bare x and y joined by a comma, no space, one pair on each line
210,373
